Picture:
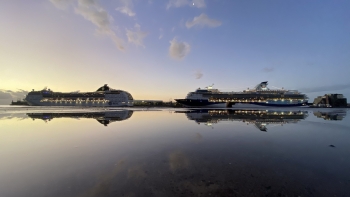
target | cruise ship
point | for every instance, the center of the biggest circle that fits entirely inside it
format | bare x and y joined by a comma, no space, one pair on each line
260,96
102,97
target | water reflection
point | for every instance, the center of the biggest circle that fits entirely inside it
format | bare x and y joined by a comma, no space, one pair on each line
157,153
209,117
259,118
331,115
104,118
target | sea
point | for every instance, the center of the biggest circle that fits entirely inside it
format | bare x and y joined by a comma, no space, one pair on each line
86,152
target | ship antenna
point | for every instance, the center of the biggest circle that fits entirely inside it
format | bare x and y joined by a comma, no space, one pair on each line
210,87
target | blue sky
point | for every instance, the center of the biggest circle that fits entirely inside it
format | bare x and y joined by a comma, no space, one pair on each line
163,49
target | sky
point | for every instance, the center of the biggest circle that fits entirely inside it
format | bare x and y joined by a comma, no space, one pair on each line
163,49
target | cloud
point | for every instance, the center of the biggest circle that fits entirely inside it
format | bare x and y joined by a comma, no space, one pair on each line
126,8
199,3
268,69
161,33
325,88
178,161
5,95
198,74
9,94
62,4
19,116
137,36
105,181
178,50
93,12
203,21
180,3
198,137
136,172
19,94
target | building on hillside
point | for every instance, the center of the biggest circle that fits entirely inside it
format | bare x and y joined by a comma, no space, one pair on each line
148,102
330,100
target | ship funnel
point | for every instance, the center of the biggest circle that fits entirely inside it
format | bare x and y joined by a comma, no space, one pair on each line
210,87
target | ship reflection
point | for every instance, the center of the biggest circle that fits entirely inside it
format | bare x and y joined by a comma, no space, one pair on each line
331,115
104,118
259,118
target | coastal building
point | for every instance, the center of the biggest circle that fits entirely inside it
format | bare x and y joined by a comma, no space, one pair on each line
148,103
330,100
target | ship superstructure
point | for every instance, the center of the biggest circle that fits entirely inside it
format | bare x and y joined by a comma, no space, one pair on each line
200,98
102,97
261,95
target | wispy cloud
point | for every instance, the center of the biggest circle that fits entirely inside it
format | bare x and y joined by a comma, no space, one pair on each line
268,69
5,95
12,95
203,21
198,74
161,33
93,12
19,116
325,88
62,4
126,8
180,3
178,50
178,161
136,36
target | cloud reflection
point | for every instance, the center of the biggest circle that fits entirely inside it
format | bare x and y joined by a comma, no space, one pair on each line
102,187
136,172
178,161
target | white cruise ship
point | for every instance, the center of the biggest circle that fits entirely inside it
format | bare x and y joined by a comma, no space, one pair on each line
260,96
102,97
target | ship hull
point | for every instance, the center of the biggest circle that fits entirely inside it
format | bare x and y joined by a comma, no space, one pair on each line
200,103
206,103
80,104
265,105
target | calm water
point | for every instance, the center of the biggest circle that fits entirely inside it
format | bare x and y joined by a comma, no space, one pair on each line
174,152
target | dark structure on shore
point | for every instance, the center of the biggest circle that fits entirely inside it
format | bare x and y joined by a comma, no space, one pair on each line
19,102
330,100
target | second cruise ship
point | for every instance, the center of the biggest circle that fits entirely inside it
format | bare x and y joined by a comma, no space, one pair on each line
259,96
